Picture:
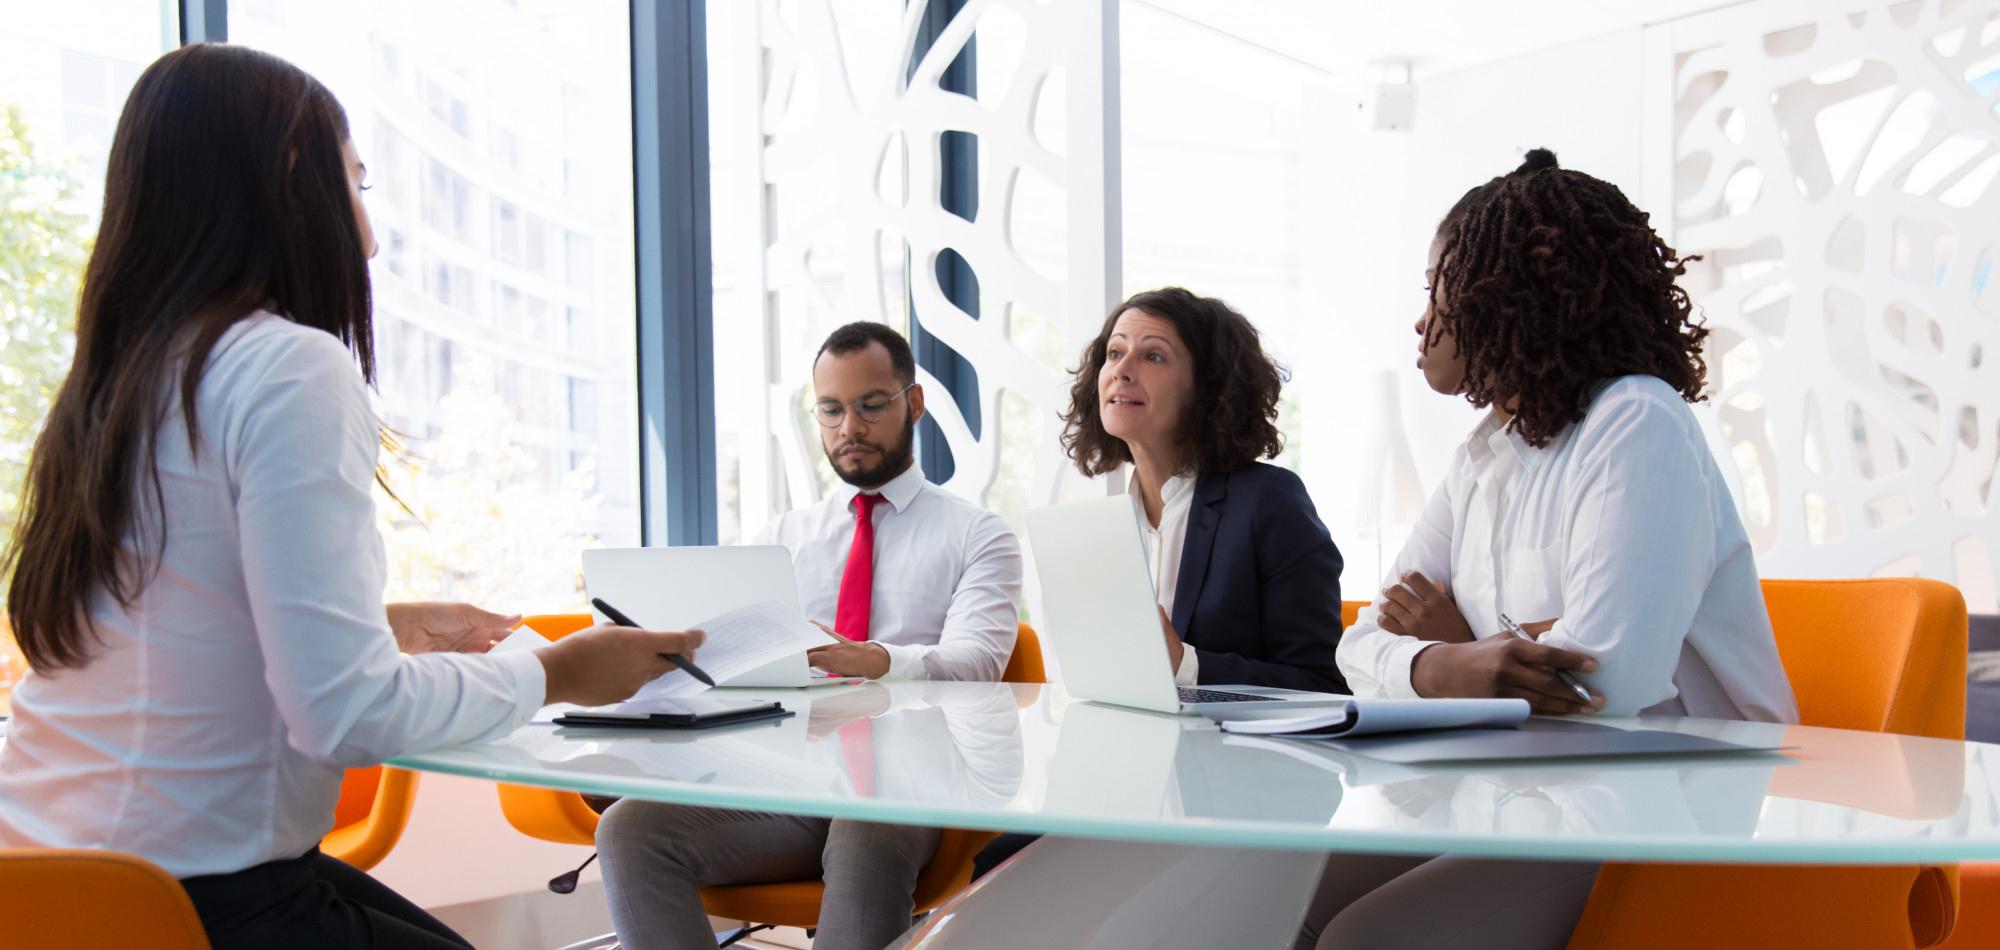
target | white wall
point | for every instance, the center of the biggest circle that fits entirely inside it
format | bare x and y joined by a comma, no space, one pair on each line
1835,164
1383,194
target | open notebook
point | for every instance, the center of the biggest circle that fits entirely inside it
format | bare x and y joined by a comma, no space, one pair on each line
1362,717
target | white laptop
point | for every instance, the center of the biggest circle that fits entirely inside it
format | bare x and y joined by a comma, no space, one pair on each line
678,588
1105,623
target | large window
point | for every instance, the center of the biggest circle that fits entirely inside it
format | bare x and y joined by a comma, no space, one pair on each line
498,139
65,69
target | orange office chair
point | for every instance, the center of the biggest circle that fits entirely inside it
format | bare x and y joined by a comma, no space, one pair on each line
1024,665
563,817
62,897
369,819
546,813
1349,611
1884,655
1979,922
796,903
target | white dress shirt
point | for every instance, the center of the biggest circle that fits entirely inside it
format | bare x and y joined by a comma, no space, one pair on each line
1622,530
1164,546
209,731
947,576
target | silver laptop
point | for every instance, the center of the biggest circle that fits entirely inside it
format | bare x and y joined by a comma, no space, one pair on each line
1104,620
677,588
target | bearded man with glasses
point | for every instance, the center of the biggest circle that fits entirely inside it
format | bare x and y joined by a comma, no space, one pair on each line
910,582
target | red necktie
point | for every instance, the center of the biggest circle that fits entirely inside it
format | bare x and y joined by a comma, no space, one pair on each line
857,747
857,582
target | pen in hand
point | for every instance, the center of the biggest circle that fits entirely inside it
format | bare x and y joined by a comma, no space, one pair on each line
612,614
1569,679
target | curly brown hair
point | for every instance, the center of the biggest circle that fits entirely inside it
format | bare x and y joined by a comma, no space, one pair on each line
1552,282
1233,420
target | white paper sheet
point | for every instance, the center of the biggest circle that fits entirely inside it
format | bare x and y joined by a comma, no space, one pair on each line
553,711
736,643
524,637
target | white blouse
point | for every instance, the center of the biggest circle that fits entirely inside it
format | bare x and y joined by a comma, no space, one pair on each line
1165,543
209,731
1622,530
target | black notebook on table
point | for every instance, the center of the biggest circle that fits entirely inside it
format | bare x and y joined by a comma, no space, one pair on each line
684,713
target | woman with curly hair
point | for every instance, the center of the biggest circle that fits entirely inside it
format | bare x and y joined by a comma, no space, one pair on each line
1586,506
1178,386
1248,579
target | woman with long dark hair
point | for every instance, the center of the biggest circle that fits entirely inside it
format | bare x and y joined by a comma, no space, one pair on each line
197,579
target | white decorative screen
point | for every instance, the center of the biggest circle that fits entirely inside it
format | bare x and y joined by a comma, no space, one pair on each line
1834,163
844,184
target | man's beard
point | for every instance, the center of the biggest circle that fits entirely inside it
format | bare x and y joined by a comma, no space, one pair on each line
895,458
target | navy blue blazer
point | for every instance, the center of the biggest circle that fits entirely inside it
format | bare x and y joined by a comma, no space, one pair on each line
1258,597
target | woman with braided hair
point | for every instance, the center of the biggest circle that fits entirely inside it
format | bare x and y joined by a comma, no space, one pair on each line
1583,553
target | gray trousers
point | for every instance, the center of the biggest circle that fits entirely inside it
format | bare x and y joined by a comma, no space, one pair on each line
656,857
1389,902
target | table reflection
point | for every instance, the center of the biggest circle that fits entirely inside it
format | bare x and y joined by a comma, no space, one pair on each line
915,741
1031,759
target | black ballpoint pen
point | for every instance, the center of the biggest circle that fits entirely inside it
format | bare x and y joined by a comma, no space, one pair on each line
612,614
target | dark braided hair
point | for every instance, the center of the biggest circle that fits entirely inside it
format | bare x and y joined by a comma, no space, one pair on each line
1552,283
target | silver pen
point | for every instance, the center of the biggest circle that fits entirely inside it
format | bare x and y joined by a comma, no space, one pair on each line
1568,679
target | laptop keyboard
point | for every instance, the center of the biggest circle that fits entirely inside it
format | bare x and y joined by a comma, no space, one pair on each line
1191,694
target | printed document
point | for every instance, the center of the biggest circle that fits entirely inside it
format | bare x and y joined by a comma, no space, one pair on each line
737,642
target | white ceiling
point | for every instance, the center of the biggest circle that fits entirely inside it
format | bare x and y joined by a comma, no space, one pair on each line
1343,36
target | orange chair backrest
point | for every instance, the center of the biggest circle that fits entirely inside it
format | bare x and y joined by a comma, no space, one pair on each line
357,796
545,813
369,819
1881,654
61,897
557,626
1025,665
1350,610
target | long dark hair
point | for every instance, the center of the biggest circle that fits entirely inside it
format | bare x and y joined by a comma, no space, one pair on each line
1552,282
226,193
1233,420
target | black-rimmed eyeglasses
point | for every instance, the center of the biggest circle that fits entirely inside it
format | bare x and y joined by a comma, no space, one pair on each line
831,412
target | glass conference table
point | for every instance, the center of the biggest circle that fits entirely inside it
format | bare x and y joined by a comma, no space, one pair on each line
1141,786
